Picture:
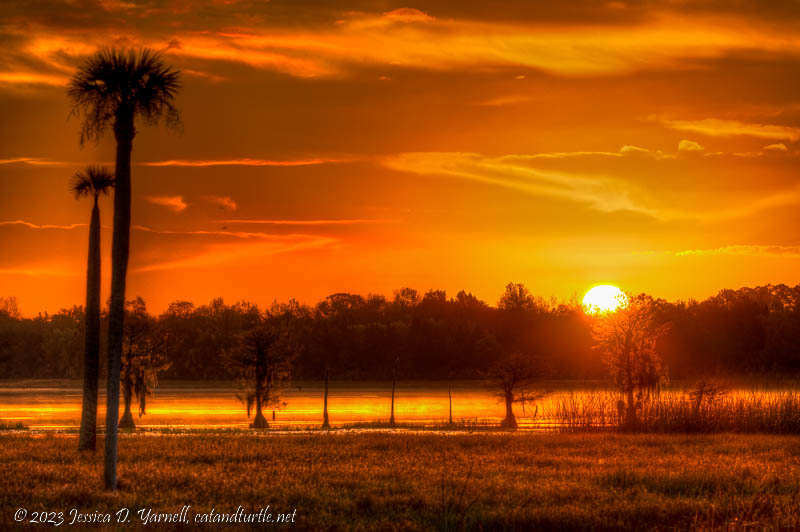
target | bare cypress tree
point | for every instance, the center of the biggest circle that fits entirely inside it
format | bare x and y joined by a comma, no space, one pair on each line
262,363
450,397
394,383
628,339
325,422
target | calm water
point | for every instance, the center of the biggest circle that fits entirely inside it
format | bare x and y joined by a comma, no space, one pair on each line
46,405
57,404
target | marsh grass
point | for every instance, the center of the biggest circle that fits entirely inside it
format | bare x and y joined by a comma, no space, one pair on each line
464,424
768,412
12,425
402,481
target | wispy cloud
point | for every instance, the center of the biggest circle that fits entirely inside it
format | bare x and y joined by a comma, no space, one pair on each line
730,128
753,250
36,161
408,14
240,162
779,148
216,233
689,146
32,225
39,271
743,208
174,203
224,202
625,151
33,78
515,172
505,100
408,37
239,253
351,221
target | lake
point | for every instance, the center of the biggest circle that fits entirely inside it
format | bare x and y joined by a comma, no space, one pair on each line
56,405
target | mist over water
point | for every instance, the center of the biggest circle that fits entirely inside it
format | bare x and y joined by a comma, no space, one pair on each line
56,405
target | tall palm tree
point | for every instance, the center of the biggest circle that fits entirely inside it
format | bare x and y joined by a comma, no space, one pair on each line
91,182
112,89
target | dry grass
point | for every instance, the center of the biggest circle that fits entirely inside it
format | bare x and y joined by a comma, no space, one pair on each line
763,412
425,481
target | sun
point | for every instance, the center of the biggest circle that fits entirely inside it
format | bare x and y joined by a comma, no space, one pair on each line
604,298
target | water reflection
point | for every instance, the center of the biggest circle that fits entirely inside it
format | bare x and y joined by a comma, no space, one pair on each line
50,405
57,405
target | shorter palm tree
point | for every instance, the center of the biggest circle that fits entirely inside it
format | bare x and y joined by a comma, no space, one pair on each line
91,182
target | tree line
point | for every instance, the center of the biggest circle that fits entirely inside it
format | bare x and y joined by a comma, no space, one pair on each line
430,336
424,337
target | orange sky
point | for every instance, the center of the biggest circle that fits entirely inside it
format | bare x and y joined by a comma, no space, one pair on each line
364,147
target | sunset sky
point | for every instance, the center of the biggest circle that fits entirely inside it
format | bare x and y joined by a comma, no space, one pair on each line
373,145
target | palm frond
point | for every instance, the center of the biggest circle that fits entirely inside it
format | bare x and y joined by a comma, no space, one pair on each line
94,180
113,82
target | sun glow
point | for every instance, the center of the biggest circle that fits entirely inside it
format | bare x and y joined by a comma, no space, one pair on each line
604,298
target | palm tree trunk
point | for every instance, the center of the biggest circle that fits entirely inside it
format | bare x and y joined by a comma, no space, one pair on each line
325,423
120,247
91,354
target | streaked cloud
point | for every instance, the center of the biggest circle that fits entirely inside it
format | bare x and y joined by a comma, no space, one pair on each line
753,250
729,128
33,78
39,271
213,233
32,225
237,253
780,147
741,209
174,203
411,38
36,161
224,202
505,100
352,221
241,162
408,14
689,146
514,172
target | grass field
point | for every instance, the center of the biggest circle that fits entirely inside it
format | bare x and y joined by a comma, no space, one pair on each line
384,481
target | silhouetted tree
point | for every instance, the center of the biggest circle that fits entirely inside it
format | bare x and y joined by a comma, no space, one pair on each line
737,332
9,307
92,182
113,88
325,421
627,338
517,297
394,384
509,378
262,363
142,359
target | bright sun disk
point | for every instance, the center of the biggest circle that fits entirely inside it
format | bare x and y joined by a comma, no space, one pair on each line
604,298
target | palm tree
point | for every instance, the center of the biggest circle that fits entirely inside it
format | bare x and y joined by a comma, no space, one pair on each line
92,182
111,89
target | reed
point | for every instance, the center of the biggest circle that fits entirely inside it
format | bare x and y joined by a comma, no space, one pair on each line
756,411
12,425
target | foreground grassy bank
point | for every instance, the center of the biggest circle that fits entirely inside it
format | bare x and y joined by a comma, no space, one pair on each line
420,481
